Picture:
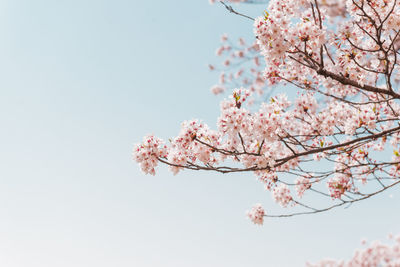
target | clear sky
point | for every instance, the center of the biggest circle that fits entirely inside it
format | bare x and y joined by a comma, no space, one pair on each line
81,82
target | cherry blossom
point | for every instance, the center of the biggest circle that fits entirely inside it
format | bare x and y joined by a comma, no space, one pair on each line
302,184
148,152
337,136
281,194
256,215
376,254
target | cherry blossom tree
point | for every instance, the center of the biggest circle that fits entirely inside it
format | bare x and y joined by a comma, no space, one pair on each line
341,58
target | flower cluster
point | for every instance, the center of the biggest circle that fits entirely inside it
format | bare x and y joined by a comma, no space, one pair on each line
256,215
148,152
302,184
376,254
339,184
187,145
281,195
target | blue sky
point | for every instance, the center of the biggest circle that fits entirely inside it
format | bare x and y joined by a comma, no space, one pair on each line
82,81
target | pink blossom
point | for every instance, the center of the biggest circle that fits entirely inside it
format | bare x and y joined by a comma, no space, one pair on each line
281,195
256,215
147,153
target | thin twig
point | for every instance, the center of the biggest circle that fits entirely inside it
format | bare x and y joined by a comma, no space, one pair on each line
231,10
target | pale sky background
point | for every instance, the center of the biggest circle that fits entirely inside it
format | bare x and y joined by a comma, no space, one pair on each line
81,82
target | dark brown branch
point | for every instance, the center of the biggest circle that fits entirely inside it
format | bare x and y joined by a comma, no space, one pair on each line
347,81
